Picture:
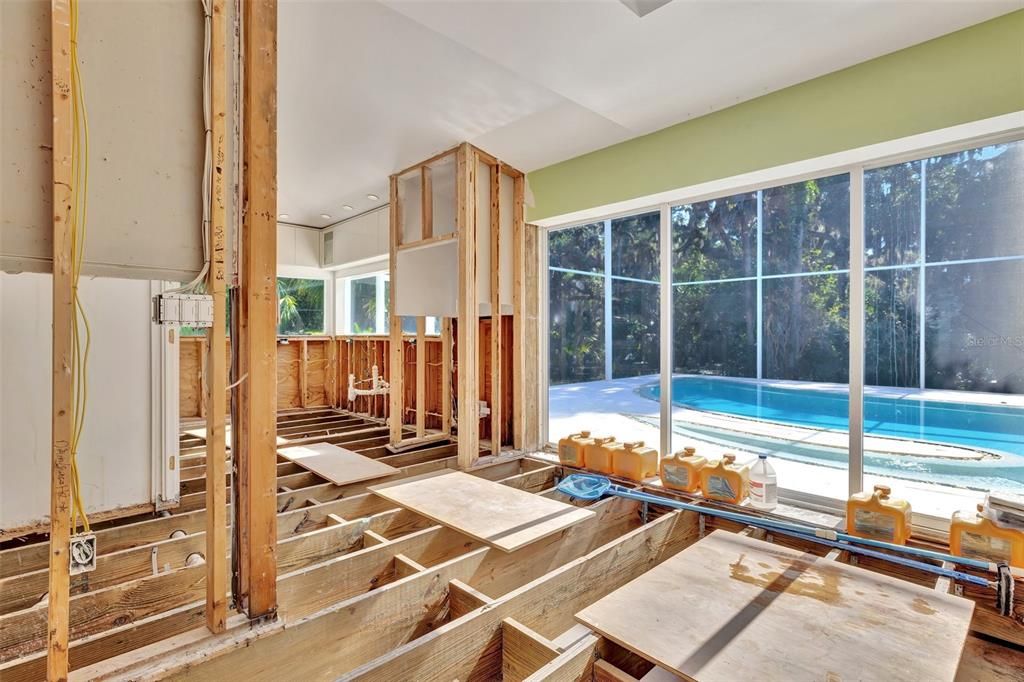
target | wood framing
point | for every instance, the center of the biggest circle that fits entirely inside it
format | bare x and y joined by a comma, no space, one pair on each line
446,376
479,360
395,395
256,460
469,388
216,342
497,415
421,376
369,590
57,625
519,339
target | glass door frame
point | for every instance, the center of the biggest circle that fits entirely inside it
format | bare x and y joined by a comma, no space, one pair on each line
856,163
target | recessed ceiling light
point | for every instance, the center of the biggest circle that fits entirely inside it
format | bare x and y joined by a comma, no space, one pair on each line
325,216
283,216
347,207
373,197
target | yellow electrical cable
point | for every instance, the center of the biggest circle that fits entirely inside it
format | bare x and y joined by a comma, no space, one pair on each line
80,184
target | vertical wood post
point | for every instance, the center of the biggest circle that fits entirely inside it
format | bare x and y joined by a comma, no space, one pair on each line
397,351
303,371
495,228
468,329
421,376
216,360
446,376
257,480
519,401
57,617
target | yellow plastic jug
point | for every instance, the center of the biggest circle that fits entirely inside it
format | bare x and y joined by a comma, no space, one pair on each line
873,515
598,454
634,461
681,471
570,449
725,480
973,535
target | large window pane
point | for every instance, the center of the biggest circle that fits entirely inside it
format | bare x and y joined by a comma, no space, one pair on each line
300,306
715,239
576,327
715,329
635,332
635,247
975,327
806,328
363,305
577,248
892,215
892,328
975,203
807,226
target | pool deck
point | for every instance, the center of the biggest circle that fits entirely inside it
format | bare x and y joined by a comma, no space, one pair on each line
616,408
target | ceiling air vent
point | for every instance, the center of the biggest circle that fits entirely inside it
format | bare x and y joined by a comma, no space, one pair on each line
642,8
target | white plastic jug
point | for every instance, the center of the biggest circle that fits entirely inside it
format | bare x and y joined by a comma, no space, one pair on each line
764,486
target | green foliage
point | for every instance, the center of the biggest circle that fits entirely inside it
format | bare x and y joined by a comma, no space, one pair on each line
300,306
974,325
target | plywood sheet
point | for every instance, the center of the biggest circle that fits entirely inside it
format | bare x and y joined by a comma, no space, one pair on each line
501,516
200,432
731,608
336,464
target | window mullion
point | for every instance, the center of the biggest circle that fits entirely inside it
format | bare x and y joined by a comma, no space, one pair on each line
608,299
759,334
920,280
665,373
856,340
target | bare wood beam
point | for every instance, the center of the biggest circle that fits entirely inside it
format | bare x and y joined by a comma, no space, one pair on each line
303,371
57,620
427,196
469,409
421,376
258,459
518,315
446,376
495,228
216,361
397,353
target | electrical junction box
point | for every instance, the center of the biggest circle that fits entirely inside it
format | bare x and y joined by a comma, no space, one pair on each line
191,310
83,553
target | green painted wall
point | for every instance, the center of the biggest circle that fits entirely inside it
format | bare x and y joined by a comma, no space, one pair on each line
972,74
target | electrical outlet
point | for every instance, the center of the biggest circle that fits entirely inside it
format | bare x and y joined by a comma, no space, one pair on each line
83,553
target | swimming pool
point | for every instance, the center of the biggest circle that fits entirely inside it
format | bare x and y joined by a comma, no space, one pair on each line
988,427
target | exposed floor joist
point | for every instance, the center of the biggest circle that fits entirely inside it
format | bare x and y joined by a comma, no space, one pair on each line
371,591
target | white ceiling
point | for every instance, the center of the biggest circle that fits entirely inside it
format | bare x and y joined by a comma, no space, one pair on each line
367,88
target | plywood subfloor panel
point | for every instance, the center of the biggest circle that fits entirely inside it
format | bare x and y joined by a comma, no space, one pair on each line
731,608
501,516
336,464
200,432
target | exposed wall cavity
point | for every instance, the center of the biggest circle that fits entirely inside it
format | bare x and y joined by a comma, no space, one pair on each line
141,66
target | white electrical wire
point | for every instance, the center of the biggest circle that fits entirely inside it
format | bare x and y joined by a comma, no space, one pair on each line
208,154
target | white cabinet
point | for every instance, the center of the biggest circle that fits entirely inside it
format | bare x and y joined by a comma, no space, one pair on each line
362,238
285,245
307,247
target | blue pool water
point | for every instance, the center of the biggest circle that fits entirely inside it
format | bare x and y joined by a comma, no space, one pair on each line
993,428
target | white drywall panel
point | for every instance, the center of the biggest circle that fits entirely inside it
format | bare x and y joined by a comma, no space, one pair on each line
141,66
428,280
115,455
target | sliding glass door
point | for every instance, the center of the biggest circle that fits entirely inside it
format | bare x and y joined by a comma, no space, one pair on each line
909,275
